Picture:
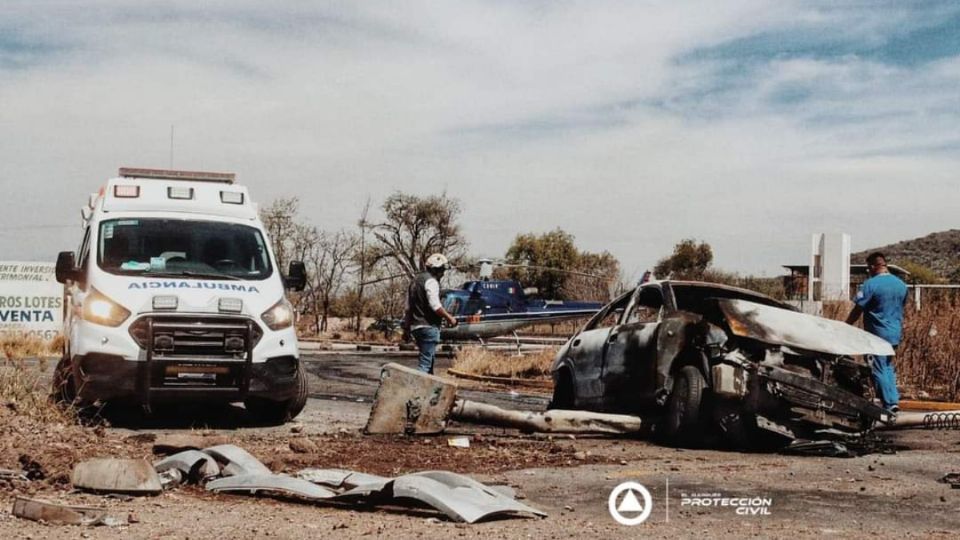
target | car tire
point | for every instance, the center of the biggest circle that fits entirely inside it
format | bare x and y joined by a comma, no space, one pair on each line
279,412
682,421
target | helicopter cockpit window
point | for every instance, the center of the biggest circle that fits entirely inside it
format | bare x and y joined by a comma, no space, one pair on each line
452,304
647,307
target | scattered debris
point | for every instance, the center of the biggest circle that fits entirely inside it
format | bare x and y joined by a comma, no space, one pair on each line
459,497
409,401
952,478
339,478
459,442
288,485
193,464
236,461
170,478
818,448
108,475
60,514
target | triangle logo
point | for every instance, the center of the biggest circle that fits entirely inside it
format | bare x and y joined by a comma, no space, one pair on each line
629,503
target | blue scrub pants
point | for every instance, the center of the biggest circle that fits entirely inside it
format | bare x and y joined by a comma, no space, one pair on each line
885,380
427,338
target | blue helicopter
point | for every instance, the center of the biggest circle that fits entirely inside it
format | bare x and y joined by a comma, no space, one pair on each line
487,307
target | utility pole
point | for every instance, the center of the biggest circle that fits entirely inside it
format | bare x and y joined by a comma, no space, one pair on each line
363,224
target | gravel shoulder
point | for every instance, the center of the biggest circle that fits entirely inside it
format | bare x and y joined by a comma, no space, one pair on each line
880,495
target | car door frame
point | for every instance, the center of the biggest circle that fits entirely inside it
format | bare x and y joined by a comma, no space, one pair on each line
626,346
586,352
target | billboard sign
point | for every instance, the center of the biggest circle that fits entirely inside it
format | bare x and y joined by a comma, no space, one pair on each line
31,300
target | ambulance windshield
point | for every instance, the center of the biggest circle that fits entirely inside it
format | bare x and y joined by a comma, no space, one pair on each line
189,249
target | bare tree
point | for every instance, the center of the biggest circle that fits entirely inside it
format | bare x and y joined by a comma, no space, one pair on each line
414,227
334,254
280,221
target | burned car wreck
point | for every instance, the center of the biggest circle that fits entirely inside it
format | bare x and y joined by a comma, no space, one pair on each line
710,363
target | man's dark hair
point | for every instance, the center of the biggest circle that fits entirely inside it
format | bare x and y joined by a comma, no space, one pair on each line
876,258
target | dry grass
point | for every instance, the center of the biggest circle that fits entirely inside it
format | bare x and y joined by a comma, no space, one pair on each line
929,355
27,393
928,358
480,361
25,389
15,346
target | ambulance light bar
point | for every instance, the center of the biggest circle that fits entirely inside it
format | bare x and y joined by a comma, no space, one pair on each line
163,174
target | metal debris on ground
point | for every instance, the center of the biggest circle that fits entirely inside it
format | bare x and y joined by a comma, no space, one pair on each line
61,514
193,464
459,442
818,448
952,478
459,497
108,475
409,401
287,485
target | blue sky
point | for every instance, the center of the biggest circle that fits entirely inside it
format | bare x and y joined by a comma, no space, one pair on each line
632,125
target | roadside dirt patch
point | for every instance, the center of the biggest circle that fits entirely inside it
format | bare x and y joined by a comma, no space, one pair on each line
395,455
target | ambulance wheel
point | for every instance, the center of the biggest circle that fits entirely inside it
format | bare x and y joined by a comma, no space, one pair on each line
279,412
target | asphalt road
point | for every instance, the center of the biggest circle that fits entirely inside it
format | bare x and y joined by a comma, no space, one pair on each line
883,495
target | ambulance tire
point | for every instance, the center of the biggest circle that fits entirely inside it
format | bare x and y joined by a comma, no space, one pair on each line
279,412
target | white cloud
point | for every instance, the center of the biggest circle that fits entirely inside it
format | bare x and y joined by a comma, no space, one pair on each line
591,116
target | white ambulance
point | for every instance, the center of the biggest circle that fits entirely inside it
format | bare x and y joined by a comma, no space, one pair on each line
174,295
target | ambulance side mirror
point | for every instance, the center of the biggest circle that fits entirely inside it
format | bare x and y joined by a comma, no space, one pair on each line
296,279
66,269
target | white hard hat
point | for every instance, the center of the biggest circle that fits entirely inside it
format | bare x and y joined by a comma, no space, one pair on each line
436,261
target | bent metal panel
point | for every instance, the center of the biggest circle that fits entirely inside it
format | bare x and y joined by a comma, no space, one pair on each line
31,300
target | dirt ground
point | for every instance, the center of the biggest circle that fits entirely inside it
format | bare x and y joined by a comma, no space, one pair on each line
878,495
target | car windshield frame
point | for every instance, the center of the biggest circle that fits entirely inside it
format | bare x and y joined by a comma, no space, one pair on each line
185,262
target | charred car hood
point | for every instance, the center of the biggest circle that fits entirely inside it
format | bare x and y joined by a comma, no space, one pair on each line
783,327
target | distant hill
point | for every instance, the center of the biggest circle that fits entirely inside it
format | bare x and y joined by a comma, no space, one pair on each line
939,251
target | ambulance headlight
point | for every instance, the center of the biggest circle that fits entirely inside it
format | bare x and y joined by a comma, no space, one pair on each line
99,309
279,316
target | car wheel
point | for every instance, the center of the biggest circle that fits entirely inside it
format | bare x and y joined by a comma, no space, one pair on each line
682,421
278,412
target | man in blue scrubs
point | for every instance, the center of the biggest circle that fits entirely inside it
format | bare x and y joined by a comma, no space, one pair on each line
880,300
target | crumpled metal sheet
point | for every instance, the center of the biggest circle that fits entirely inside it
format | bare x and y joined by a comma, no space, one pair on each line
783,327
194,464
271,482
339,478
237,461
459,497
